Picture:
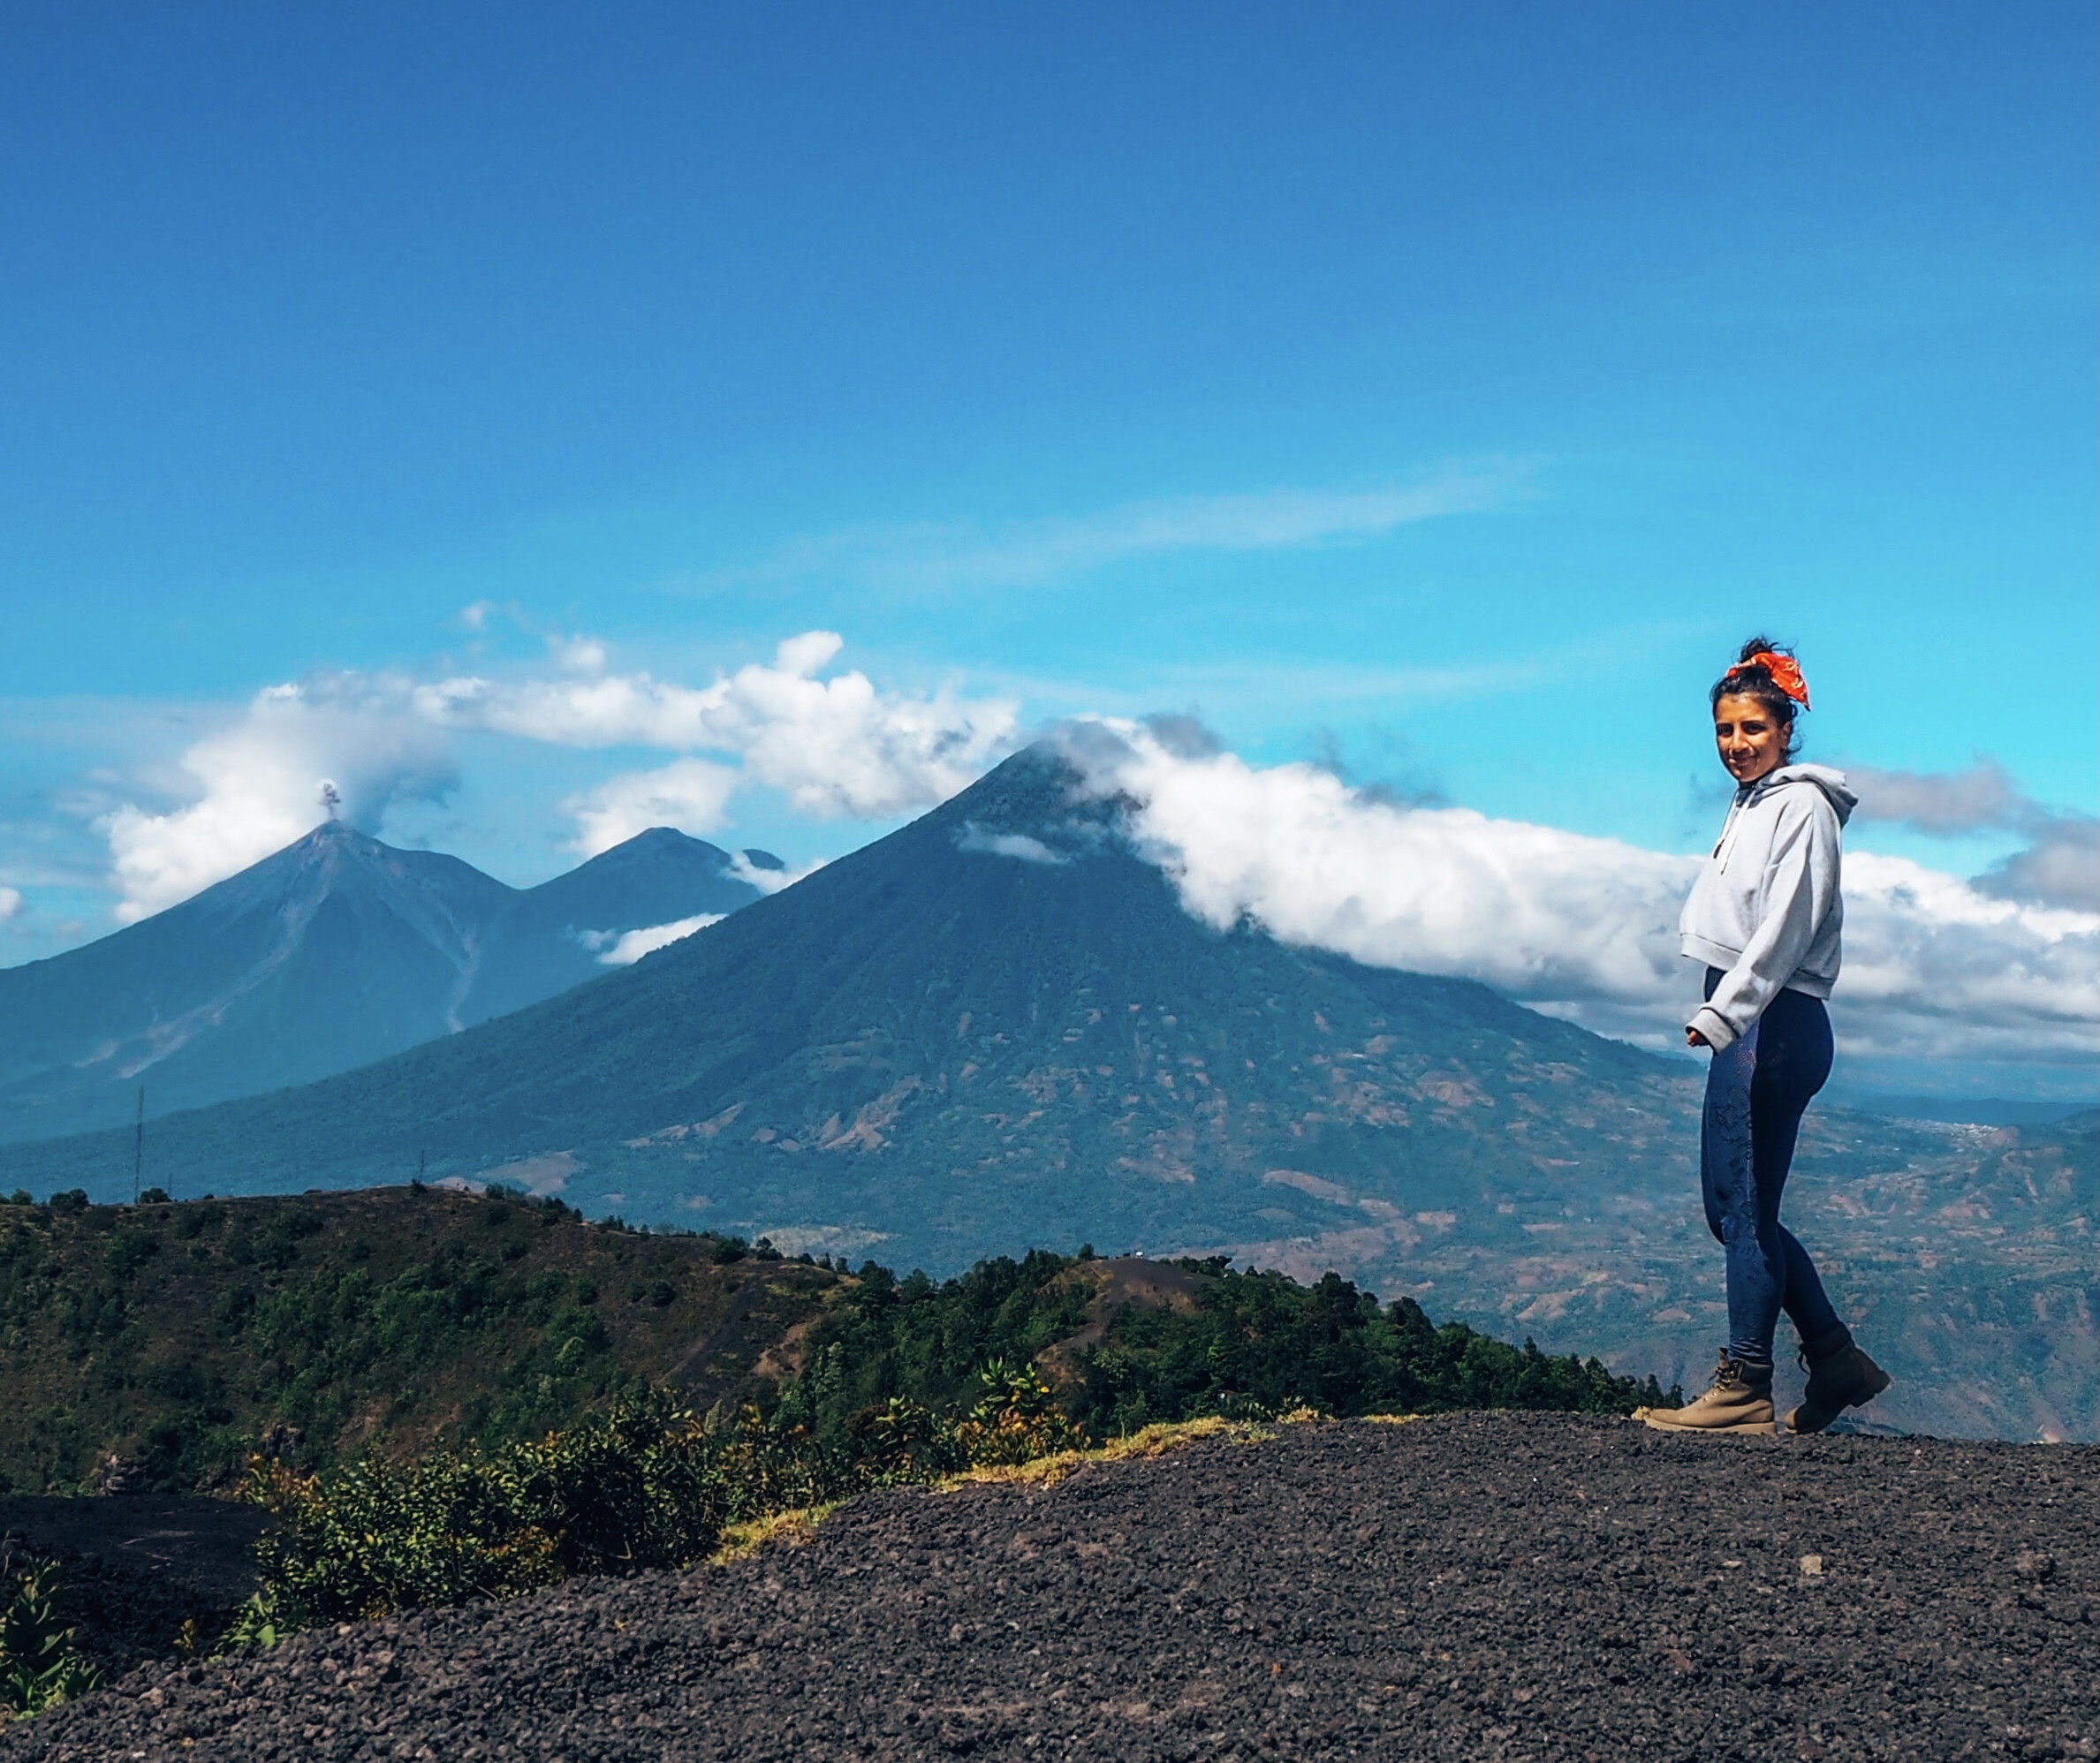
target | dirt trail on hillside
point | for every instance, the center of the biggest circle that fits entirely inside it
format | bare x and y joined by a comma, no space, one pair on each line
1468,1587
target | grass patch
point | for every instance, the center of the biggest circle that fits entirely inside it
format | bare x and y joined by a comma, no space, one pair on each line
1155,1440
794,1529
789,1530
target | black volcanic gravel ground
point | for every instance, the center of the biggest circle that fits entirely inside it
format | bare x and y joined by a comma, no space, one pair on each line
1469,1588
135,1568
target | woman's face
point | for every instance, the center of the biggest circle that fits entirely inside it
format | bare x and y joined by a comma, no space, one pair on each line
1751,740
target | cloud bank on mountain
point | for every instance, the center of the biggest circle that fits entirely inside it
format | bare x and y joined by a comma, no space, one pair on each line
1581,926
629,947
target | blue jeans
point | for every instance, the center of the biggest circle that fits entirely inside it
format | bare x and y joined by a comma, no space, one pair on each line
1756,1092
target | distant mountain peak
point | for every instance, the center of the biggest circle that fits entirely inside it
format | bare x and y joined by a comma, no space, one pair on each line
333,951
653,837
327,832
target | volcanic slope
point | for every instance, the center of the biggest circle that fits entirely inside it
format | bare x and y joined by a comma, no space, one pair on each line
331,953
1532,1588
996,1026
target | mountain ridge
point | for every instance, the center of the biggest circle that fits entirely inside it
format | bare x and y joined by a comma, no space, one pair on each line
334,952
911,979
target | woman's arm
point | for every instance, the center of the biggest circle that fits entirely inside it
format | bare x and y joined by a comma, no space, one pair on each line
1800,889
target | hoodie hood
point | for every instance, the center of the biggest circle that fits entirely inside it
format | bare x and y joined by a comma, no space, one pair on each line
1842,798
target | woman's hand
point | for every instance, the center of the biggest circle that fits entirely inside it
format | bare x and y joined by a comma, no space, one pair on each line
1693,1038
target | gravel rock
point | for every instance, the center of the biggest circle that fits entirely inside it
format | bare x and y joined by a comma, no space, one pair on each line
1507,1586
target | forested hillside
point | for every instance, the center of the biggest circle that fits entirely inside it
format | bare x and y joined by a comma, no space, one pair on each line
182,1339
335,951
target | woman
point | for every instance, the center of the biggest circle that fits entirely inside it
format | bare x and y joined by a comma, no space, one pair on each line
1765,917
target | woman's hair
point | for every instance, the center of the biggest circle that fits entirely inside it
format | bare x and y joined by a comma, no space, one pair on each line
1753,679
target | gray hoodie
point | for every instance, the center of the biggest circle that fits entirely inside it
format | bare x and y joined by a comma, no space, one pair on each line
1766,908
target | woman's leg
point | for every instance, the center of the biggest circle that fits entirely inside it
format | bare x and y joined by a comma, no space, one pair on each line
1756,1092
1728,1183
1793,1064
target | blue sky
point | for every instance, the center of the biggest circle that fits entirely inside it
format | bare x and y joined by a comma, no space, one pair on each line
1442,389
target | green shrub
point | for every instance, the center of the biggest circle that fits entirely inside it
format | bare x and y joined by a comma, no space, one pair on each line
1017,1419
646,1485
902,1380
39,1667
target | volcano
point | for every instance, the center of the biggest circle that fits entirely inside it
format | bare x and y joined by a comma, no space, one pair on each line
327,954
997,1022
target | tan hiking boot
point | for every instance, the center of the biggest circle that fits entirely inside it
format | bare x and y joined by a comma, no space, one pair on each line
1741,1401
1840,1376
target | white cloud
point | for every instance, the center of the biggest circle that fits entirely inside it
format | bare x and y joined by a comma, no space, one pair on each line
1934,964
579,655
261,781
11,904
631,946
1581,926
975,837
690,794
835,746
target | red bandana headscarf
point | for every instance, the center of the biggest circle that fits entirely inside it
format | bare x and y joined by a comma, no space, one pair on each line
1786,672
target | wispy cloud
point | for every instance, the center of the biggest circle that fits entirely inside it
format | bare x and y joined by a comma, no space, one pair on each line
1227,686
936,555
628,948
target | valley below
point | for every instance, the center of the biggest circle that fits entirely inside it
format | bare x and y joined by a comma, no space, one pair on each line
1964,1256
